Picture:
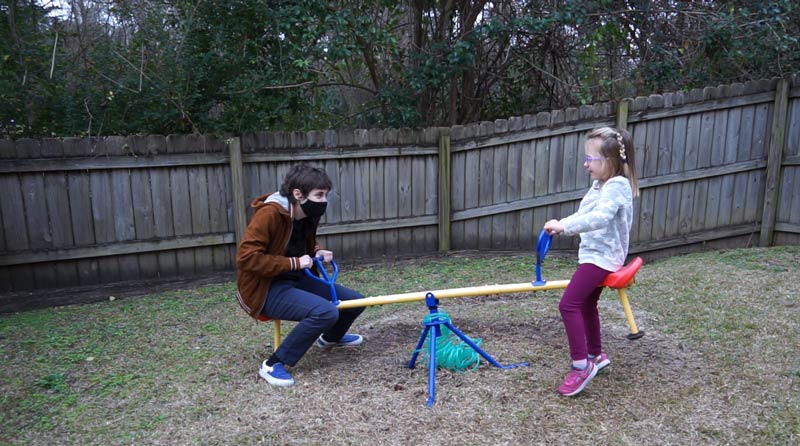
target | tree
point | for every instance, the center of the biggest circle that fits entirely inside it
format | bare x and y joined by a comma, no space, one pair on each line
178,66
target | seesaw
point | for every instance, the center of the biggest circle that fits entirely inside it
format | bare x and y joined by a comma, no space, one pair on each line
619,280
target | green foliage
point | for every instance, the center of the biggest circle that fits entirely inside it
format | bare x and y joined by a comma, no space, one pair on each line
125,66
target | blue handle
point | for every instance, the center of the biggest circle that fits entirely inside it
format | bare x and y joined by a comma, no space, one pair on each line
329,280
542,246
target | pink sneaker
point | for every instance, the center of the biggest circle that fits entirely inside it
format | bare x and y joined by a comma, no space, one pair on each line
601,361
577,380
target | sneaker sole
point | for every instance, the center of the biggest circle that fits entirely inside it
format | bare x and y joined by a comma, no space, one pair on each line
585,383
274,381
330,346
602,365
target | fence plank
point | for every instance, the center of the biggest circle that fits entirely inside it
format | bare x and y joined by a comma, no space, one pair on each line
727,203
740,182
471,197
714,194
391,190
536,177
774,159
124,229
485,194
431,203
219,203
143,220
12,208
650,163
377,240
676,156
458,184
513,189
554,180
664,162
201,224
404,202
499,184
418,179
182,217
687,189
102,203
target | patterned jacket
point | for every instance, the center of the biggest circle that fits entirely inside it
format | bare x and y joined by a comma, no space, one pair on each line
603,221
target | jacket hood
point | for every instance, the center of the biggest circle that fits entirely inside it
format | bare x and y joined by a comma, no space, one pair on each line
275,197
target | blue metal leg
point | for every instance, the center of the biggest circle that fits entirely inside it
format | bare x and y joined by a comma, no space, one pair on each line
432,368
418,347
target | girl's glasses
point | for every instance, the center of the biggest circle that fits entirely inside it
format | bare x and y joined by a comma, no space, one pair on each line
589,159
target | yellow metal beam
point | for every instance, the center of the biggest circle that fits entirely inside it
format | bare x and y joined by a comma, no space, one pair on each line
485,290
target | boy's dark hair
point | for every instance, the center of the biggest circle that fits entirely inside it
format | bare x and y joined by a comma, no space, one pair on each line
306,178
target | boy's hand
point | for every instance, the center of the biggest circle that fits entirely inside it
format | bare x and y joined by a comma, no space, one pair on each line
306,261
553,227
326,255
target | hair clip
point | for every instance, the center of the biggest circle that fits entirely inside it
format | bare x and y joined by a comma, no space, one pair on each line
621,147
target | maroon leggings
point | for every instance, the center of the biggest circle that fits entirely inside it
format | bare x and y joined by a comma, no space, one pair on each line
578,309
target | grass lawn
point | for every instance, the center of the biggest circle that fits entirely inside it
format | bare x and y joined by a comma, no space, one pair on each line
719,364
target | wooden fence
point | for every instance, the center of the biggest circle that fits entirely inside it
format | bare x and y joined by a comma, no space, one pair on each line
719,167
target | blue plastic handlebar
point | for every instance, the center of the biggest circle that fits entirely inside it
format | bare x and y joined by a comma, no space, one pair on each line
327,279
542,246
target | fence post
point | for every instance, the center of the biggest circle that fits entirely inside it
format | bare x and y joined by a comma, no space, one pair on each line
444,192
622,114
237,186
777,143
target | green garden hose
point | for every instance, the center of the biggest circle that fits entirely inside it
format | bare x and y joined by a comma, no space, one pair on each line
451,352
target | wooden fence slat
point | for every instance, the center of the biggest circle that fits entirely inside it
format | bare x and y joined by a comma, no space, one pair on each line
731,149
404,202
124,229
676,153
219,203
499,185
347,182
102,203
377,240
201,224
650,163
687,191
471,197
391,200
485,193
741,181
143,220
12,209
513,189
58,212
182,217
431,207
777,143
458,195
664,163
536,177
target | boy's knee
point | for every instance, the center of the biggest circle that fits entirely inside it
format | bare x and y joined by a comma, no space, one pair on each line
326,314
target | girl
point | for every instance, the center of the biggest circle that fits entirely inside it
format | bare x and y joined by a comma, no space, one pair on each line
603,221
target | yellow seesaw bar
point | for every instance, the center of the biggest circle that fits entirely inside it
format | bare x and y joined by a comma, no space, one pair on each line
484,290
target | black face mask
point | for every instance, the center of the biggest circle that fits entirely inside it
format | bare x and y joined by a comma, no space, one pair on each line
314,209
